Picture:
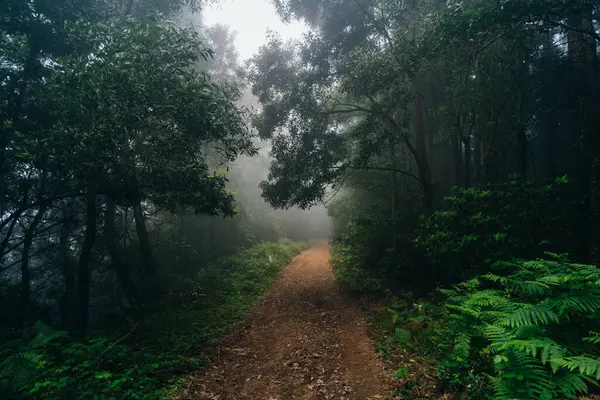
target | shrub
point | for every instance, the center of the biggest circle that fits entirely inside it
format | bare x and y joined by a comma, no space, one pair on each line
531,332
477,227
49,364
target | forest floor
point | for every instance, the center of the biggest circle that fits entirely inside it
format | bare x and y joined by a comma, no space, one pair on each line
303,340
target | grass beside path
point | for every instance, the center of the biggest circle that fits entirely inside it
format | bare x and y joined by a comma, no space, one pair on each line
165,346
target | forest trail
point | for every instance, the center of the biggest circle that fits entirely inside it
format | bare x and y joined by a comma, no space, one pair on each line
302,341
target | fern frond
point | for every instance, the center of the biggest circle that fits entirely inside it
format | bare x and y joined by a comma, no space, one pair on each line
529,287
585,365
579,304
571,385
546,348
498,335
473,312
495,278
539,314
462,346
593,338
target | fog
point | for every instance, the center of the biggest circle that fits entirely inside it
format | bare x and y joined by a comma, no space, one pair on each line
241,15
226,29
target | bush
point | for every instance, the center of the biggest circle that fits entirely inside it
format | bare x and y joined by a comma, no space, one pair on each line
350,274
149,361
50,365
477,227
368,256
531,332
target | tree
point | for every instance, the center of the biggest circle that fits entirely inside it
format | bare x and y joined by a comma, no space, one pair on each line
324,91
108,123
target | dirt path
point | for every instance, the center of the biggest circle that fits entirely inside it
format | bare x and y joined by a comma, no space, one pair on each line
303,341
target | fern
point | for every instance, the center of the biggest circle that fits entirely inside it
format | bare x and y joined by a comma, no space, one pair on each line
578,304
536,315
571,385
539,325
462,346
585,365
593,338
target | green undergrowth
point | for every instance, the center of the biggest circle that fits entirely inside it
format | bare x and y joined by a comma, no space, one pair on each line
528,330
149,359
482,300
405,336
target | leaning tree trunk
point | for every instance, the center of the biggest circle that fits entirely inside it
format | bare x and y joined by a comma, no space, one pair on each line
141,230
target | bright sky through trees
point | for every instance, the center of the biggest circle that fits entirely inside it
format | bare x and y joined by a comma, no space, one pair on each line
251,19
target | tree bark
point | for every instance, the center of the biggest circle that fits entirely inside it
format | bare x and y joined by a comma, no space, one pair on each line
522,139
582,55
128,8
521,131
421,148
120,267
25,271
143,238
85,256
477,144
68,270
457,152
393,191
145,246
467,144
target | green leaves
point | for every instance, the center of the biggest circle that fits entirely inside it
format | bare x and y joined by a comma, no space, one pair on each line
132,105
476,227
539,340
335,101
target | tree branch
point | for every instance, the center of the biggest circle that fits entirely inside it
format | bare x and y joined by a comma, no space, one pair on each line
388,169
575,29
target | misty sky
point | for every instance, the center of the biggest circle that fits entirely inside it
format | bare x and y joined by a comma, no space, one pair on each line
251,19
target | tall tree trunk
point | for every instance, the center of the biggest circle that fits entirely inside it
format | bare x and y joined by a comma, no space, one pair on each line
521,131
466,140
477,146
467,145
64,263
128,8
85,256
522,141
421,157
455,142
421,148
553,162
143,238
182,260
481,118
25,271
120,267
145,246
492,154
582,56
393,191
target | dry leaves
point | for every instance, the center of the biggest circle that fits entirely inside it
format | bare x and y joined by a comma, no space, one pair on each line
303,341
